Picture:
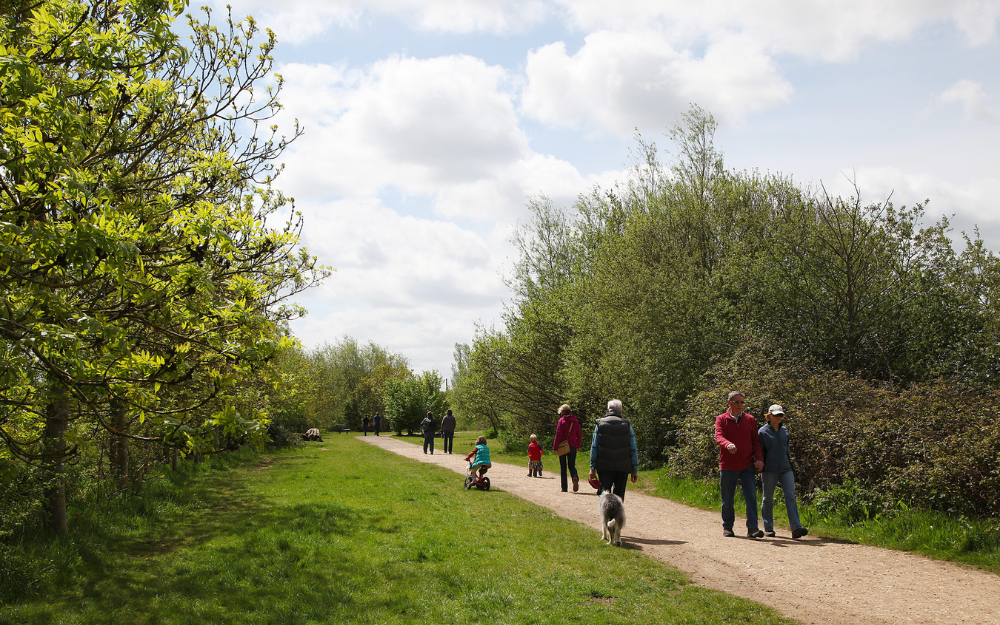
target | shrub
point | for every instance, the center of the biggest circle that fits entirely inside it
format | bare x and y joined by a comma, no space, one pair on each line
931,445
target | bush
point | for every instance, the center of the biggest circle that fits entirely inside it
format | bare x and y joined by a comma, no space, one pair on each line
849,503
932,446
281,435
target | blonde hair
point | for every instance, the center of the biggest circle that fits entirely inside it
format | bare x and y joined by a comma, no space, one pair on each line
533,438
481,440
565,409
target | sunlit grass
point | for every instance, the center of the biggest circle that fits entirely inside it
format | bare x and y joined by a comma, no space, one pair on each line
343,532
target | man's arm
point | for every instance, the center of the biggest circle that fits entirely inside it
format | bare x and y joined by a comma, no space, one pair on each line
720,436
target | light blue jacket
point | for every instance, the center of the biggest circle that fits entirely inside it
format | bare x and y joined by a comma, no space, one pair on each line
482,456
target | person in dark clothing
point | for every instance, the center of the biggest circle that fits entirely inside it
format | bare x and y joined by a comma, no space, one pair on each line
428,427
364,423
613,453
568,429
448,431
377,420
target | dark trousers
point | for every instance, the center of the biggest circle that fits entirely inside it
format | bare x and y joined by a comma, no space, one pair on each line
614,481
378,426
564,461
448,440
429,442
366,429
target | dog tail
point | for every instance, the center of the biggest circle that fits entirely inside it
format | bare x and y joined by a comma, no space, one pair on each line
612,524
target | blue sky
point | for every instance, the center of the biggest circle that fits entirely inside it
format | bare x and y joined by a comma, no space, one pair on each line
429,123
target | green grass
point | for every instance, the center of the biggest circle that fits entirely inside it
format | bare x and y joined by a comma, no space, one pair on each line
353,534
933,534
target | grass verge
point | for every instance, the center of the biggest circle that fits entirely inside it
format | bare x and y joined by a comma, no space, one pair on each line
343,532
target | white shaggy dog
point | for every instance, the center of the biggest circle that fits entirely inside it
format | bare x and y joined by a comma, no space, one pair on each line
612,511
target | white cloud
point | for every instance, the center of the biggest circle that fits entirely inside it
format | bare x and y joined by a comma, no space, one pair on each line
817,28
413,123
410,284
976,103
972,202
296,21
617,81
441,128
813,28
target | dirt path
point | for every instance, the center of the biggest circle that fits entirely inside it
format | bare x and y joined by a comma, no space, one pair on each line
814,580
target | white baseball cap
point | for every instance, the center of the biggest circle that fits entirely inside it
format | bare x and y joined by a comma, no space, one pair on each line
776,409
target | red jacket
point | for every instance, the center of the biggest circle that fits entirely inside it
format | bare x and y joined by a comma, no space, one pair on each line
743,435
568,429
534,451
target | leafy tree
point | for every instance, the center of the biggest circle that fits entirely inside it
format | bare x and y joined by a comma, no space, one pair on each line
140,281
643,286
407,401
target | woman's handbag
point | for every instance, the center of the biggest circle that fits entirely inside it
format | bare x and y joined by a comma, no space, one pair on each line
563,448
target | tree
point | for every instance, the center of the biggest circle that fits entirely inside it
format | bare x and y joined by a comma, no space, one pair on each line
135,184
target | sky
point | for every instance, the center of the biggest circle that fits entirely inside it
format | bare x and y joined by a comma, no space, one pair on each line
430,123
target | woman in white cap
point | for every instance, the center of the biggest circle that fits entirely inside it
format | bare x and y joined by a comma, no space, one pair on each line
774,443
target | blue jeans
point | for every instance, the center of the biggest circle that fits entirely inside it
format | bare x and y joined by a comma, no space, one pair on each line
448,440
428,442
787,481
570,460
728,481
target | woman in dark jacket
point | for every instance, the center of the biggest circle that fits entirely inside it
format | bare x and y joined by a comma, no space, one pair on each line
568,429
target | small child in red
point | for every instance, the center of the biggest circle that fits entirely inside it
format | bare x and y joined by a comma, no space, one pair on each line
534,458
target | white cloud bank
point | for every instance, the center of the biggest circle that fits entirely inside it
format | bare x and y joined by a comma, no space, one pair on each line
412,284
813,28
618,81
444,128
976,103
444,131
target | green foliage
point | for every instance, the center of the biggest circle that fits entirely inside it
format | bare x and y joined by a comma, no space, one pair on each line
848,503
932,445
348,381
142,294
408,401
404,404
862,312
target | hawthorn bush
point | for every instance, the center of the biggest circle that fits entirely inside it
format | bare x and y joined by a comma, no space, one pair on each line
930,445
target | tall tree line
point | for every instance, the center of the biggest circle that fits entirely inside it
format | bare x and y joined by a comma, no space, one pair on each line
637,290
343,382
143,290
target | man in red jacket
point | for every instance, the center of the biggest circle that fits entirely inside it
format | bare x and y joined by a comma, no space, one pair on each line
739,460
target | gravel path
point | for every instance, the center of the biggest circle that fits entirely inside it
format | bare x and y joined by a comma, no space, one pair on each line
814,580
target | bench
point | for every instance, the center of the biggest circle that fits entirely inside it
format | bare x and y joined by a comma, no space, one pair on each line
340,427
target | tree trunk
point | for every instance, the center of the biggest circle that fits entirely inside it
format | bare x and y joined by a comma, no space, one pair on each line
173,458
119,444
56,422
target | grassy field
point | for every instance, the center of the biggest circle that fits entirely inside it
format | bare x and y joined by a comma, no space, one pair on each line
342,532
933,534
